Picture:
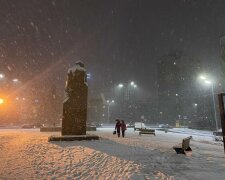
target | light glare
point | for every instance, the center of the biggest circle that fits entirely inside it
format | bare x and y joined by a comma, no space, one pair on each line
203,77
15,80
1,76
120,85
208,82
1,101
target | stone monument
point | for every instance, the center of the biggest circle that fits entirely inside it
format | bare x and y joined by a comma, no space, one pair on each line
75,106
75,103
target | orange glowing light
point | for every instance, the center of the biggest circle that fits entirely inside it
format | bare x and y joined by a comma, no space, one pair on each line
1,101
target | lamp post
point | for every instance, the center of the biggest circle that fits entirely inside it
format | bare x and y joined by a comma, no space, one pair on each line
126,99
128,88
109,103
213,98
214,104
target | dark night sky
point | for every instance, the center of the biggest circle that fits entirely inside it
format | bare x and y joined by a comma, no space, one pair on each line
118,40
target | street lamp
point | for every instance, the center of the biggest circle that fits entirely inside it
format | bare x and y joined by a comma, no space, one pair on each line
15,80
206,81
130,90
2,76
1,101
133,84
214,104
120,85
109,103
202,77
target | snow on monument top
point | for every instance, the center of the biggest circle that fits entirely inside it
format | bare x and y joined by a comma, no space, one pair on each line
79,65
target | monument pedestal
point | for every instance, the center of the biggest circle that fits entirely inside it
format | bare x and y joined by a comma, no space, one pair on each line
73,137
59,129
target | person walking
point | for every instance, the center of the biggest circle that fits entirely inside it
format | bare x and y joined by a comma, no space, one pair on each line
123,127
117,127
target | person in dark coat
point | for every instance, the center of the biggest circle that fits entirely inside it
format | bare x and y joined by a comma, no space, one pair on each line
123,127
117,127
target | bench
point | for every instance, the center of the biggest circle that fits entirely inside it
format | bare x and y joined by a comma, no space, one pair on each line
184,146
147,131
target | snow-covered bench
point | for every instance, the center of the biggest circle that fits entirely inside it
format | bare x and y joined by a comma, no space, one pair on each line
147,131
218,135
184,146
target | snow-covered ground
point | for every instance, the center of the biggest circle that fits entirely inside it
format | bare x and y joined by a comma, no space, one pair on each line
26,154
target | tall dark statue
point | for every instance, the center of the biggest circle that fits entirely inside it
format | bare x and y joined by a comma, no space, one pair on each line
75,103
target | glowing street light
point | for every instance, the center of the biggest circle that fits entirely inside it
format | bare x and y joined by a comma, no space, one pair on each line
208,82
2,76
120,85
202,77
127,90
110,102
15,80
1,101
133,84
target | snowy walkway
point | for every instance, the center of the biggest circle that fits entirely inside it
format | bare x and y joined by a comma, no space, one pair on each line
26,154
